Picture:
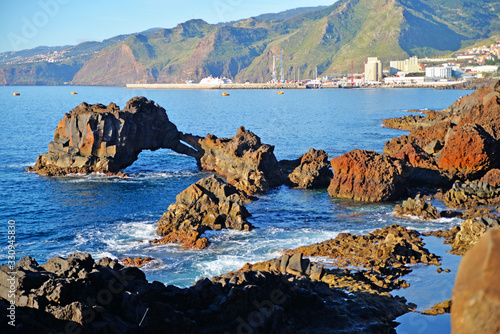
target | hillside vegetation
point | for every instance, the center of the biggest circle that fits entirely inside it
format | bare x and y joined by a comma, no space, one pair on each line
326,38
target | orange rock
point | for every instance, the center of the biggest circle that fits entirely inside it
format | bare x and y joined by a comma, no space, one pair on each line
368,176
476,294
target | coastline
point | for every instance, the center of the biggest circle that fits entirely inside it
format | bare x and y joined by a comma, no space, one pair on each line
279,86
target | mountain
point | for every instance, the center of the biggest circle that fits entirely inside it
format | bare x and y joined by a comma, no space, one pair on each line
326,38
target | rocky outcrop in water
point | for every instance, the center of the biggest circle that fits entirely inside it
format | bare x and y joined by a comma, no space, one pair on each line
136,262
244,160
368,176
209,204
476,294
471,194
384,253
417,207
311,171
98,138
85,296
462,140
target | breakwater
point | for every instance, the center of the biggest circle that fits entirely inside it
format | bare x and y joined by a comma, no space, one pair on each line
223,86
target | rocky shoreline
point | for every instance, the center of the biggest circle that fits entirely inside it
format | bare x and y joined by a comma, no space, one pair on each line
450,155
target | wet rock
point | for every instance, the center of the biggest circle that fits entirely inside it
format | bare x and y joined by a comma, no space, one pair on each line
313,171
98,138
476,294
439,308
417,207
384,253
244,160
368,176
136,262
209,204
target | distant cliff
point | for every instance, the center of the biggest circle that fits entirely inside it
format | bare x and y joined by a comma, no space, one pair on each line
113,66
326,38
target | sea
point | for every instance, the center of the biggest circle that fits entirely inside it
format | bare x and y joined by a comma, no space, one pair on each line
116,217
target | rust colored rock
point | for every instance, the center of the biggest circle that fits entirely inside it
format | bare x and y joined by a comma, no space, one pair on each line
98,138
492,178
187,239
368,176
468,151
404,149
136,262
244,160
313,171
209,204
476,294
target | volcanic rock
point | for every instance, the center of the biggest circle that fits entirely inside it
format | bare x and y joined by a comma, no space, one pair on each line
105,297
468,151
470,194
476,294
389,246
244,160
492,178
368,176
312,172
417,207
209,204
471,232
136,262
96,138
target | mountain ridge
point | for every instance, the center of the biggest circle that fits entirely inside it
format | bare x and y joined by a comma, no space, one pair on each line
326,38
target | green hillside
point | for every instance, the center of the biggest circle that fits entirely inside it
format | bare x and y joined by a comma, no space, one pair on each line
326,38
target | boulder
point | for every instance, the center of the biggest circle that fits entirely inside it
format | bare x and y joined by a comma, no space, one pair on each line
476,293
417,207
492,178
312,172
468,151
98,138
471,232
209,204
368,176
136,262
244,160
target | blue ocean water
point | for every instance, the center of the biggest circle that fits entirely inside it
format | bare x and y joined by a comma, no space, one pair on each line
108,216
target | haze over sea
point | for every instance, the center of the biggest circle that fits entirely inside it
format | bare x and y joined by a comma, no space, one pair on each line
108,216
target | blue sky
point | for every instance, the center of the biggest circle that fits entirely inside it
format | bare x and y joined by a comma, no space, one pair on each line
30,23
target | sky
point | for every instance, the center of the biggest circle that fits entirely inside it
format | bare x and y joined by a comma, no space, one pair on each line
30,23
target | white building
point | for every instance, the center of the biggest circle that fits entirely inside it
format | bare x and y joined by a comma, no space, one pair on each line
373,69
482,69
439,72
410,65
215,81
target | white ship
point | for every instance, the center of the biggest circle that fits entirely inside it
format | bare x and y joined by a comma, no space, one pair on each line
215,81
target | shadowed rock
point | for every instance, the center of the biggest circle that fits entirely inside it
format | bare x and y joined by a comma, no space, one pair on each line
244,160
312,171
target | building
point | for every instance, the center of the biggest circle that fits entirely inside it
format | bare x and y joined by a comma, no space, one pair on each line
439,72
410,65
373,69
